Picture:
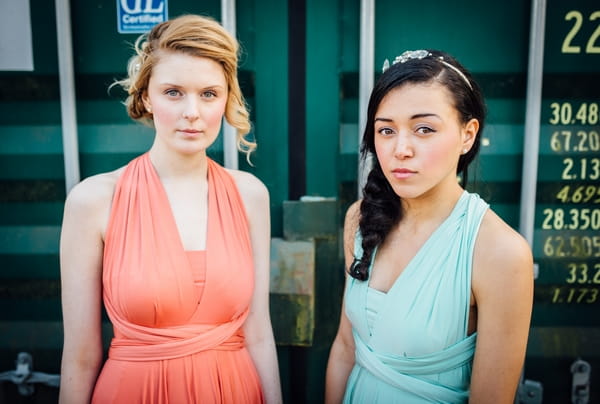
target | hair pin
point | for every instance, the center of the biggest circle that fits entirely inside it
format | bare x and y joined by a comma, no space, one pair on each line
422,54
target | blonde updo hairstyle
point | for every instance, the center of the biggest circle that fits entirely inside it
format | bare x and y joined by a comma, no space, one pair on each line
196,36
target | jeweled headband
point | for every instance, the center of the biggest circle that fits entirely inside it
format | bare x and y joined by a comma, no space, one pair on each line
421,54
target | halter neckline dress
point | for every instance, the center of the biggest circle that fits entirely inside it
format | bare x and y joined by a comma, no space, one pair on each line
177,315
411,342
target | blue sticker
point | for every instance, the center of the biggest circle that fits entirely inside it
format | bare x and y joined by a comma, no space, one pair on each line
139,16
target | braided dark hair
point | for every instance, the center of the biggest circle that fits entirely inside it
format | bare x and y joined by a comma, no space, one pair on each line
381,208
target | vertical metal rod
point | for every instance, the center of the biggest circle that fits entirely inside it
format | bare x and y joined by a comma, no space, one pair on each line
532,118
535,71
67,93
366,77
230,152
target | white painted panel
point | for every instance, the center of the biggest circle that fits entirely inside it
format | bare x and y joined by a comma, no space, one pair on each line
16,50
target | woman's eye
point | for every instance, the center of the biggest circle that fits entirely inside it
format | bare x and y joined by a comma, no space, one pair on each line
425,130
385,131
209,94
172,93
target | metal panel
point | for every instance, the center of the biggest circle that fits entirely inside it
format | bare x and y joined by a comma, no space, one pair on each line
230,153
67,94
322,97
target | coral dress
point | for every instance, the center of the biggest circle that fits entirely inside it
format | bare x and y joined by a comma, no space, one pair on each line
412,344
177,315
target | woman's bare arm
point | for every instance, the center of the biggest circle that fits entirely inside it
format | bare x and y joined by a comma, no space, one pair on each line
257,328
503,289
81,250
341,356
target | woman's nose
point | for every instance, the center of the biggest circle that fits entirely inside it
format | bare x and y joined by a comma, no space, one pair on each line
403,147
191,110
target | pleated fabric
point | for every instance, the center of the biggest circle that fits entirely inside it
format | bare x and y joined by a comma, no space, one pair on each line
411,342
176,314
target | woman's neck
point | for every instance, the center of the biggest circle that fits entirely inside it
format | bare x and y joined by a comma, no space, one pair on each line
432,208
174,166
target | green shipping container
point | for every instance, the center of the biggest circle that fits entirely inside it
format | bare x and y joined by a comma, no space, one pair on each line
300,74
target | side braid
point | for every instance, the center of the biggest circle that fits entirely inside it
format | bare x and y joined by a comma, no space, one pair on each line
380,210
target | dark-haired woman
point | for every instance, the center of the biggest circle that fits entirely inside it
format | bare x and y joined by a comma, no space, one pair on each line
439,289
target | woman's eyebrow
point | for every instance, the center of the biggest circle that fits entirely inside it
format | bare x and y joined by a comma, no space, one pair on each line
425,115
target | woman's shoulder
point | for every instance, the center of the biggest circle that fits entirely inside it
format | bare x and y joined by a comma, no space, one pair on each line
94,193
500,248
502,278
351,223
352,217
252,190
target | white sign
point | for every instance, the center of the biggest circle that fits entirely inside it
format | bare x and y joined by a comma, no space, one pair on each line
139,16
16,49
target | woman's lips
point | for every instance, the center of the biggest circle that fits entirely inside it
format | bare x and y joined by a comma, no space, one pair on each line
190,132
403,173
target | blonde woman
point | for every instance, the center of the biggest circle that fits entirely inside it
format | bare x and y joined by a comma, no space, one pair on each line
174,245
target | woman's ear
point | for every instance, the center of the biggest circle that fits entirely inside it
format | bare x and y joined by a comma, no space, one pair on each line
146,102
469,134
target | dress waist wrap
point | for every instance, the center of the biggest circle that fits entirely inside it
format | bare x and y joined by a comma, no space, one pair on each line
138,343
403,372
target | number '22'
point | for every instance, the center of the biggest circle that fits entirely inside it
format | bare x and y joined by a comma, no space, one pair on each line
578,17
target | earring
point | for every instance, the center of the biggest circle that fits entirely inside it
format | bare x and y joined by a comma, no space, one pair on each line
464,151
149,109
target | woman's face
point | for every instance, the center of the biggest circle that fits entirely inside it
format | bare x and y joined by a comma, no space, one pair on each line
419,138
187,96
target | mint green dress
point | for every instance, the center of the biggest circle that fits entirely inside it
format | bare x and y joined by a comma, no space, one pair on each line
411,342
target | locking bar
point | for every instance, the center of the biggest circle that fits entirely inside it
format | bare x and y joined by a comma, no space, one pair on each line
580,390
24,376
